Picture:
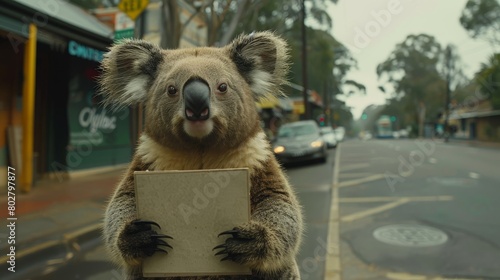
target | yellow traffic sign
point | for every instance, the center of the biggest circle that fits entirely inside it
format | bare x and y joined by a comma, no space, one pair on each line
133,8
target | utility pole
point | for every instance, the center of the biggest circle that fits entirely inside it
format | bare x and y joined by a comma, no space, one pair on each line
448,93
304,63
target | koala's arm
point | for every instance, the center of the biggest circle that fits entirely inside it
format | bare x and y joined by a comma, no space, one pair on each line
270,242
127,239
275,207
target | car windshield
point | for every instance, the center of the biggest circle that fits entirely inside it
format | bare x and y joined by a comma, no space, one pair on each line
297,130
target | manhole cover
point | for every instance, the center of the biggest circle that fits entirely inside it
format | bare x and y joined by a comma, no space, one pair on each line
410,235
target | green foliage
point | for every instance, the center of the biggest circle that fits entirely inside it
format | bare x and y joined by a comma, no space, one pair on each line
413,70
481,19
488,79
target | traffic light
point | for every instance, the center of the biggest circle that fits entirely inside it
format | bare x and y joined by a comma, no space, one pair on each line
364,116
321,120
393,118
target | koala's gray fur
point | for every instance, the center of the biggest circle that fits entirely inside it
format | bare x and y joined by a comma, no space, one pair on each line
251,66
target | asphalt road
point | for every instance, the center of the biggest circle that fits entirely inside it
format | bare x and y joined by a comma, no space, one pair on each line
406,209
313,184
412,209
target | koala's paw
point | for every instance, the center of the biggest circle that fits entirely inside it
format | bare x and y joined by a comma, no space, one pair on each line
249,245
138,240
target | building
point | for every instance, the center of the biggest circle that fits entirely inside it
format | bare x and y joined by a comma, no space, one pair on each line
194,33
477,121
49,110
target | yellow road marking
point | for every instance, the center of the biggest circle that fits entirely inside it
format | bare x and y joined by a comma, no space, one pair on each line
354,166
390,198
406,276
361,180
355,175
333,269
375,210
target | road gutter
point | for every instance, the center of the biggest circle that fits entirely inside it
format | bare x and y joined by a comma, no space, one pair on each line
50,254
333,269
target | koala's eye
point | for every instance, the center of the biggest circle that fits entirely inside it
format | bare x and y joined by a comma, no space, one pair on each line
171,90
222,88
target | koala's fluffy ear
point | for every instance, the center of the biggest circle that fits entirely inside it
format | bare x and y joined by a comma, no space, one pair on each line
128,71
262,59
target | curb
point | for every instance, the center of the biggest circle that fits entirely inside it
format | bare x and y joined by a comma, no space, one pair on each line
46,257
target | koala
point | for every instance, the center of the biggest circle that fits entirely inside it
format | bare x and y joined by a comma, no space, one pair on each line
200,113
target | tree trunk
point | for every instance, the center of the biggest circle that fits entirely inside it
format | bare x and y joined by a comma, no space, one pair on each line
228,35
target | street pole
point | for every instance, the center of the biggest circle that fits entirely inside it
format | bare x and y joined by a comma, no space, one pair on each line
138,111
448,93
304,63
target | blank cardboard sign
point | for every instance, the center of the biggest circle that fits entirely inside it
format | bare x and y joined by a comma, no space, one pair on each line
193,207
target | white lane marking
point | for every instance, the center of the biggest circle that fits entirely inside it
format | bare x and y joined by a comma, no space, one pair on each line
333,269
474,175
355,166
375,210
355,175
355,182
390,198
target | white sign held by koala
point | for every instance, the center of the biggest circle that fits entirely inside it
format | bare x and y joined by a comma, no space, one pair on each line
193,207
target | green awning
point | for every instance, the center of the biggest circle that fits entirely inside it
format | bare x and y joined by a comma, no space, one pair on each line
14,26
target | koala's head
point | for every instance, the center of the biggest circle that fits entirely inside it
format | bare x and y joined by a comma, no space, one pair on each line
200,96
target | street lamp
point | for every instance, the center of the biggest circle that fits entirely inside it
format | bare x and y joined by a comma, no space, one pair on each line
304,62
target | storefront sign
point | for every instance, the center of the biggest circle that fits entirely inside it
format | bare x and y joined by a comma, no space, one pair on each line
88,118
124,26
85,52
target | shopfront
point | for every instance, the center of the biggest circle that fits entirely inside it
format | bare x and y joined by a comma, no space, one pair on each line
71,130
81,133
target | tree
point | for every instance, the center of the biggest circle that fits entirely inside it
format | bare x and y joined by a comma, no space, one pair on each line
488,79
212,12
412,69
481,19
226,18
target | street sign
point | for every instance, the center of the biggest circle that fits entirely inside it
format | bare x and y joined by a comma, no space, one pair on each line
133,8
124,26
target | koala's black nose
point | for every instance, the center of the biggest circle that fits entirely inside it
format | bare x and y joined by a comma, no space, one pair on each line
196,100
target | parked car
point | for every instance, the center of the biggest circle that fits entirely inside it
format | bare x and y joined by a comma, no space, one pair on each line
339,133
329,136
299,141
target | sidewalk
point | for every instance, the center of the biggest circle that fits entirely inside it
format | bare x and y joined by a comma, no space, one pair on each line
475,143
466,142
55,220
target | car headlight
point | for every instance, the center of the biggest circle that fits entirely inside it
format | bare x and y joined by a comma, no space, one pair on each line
317,144
279,149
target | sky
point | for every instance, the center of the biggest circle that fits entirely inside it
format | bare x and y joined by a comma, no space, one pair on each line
370,29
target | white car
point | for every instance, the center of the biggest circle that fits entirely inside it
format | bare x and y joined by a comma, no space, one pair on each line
329,137
339,133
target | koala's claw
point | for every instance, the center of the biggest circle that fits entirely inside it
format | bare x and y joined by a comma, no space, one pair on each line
162,236
233,232
161,250
219,246
163,243
222,252
245,245
144,222
139,240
